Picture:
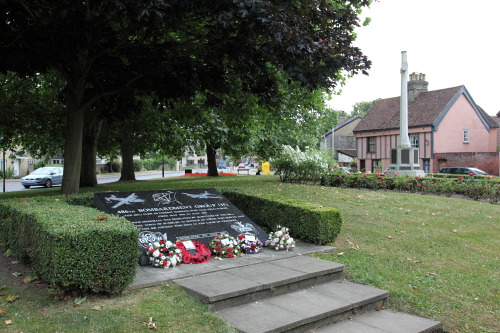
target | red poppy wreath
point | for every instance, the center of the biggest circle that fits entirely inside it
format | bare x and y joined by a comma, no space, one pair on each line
201,256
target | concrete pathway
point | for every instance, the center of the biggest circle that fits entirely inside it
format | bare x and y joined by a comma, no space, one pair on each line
279,291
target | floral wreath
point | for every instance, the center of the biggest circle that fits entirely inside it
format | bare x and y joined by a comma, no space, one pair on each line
163,254
280,239
248,243
224,246
201,256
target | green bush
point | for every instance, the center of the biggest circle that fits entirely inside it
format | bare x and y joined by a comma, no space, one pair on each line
73,248
113,166
156,163
138,165
309,222
293,165
9,173
474,187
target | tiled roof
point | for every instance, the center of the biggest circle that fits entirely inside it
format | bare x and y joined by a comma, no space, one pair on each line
489,119
423,111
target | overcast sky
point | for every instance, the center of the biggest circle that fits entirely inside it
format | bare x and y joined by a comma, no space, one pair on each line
453,42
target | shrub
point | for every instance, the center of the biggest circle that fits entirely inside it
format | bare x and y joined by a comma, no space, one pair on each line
294,165
474,187
113,166
309,222
9,173
74,248
138,165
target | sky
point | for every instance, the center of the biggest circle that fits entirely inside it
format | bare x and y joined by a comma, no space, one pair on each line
452,42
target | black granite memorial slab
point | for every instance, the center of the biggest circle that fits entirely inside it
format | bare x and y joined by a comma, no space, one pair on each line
193,214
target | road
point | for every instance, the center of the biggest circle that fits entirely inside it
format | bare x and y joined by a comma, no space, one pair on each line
12,185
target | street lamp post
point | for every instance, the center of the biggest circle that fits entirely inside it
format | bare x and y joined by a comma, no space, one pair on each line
3,163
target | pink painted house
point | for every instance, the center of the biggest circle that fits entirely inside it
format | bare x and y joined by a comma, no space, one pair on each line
447,126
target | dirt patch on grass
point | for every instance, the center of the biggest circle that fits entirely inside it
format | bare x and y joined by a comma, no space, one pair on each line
16,275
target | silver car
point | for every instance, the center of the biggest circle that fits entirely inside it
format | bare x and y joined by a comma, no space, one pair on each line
46,176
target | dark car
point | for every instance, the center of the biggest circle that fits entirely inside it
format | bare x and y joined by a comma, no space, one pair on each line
459,170
46,176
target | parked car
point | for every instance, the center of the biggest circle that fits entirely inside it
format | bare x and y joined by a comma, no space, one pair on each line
458,170
242,166
46,176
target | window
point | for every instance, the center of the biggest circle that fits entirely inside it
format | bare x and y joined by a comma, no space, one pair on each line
377,165
372,144
466,136
414,140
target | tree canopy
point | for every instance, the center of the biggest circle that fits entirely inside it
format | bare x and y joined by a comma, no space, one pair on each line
175,49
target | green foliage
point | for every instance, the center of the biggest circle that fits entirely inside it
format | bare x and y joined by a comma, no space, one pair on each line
293,165
30,113
474,187
361,108
155,163
9,173
138,165
113,166
309,222
75,249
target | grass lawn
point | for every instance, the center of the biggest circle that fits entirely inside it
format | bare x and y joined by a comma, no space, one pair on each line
437,256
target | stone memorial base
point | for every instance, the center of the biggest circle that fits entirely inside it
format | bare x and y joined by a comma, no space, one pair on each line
404,162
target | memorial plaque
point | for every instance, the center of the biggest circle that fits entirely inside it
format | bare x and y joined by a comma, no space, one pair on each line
194,214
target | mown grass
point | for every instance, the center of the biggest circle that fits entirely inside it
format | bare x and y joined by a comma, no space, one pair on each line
437,256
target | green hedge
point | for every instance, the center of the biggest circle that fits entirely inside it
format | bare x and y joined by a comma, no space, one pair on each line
475,187
306,221
71,247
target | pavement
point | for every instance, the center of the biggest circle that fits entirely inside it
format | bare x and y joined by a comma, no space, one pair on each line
287,291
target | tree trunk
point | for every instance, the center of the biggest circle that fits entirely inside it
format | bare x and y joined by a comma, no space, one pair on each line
73,149
127,148
92,127
212,164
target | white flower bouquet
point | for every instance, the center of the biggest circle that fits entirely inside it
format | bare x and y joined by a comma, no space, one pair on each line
280,239
164,254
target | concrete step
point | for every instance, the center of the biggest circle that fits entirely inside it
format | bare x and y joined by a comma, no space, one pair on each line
235,286
384,321
305,310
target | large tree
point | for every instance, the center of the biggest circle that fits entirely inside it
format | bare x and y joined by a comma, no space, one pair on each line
31,111
100,48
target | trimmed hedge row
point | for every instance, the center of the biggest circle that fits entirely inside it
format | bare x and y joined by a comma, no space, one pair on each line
474,187
306,221
73,248
309,222
78,249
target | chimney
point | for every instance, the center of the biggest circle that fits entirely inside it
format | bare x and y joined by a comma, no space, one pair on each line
416,85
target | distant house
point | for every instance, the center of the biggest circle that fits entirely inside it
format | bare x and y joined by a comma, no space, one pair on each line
341,140
447,126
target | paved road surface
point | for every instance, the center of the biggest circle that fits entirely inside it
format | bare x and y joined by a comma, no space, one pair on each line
12,185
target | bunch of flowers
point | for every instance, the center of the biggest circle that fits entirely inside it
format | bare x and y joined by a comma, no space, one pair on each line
280,239
163,254
248,243
224,246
